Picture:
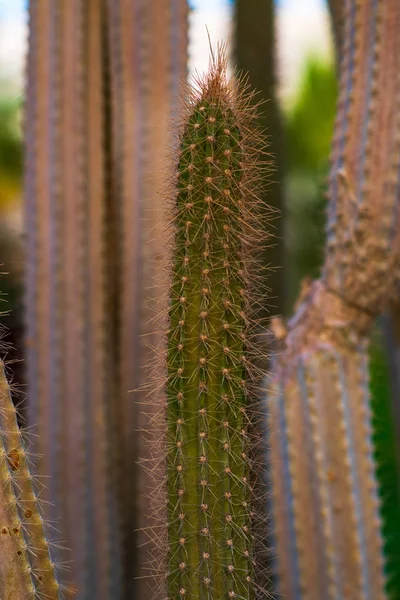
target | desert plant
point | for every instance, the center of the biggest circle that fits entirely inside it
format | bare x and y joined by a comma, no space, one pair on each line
325,496
145,93
255,55
103,78
212,371
26,568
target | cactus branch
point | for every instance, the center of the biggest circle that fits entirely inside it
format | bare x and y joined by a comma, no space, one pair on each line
323,369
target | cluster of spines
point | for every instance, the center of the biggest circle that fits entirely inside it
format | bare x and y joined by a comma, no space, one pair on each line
26,567
211,376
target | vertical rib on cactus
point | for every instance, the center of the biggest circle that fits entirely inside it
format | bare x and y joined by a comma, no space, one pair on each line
211,379
26,568
323,440
68,366
148,55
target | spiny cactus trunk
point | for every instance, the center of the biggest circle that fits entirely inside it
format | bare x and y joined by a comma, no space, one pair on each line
26,567
148,71
210,377
103,79
321,445
69,369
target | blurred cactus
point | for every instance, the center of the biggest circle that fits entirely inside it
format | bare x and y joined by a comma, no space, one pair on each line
325,497
336,10
103,78
148,42
26,568
211,371
255,55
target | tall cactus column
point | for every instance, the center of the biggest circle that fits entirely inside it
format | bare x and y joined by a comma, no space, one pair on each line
211,377
326,509
148,42
69,367
103,79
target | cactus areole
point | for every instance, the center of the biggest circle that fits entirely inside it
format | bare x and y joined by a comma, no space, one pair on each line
209,475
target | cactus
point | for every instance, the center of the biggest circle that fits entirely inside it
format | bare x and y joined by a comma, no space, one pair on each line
145,94
336,8
69,372
103,78
321,432
26,567
212,377
254,54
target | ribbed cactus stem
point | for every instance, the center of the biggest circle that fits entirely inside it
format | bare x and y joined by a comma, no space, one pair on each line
148,51
70,374
325,493
26,568
209,374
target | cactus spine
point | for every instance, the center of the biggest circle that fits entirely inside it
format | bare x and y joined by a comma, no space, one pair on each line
326,507
210,381
26,567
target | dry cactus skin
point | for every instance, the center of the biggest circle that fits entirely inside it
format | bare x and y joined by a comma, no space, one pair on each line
69,369
336,8
26,569
148,51
328,532
103,80
212,384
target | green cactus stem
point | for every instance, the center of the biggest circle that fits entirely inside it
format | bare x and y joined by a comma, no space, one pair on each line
26,568
148,51
211,377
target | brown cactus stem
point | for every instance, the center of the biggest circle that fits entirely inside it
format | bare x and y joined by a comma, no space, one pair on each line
68,366
336,10
326,500
148,44
324,364
390,321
